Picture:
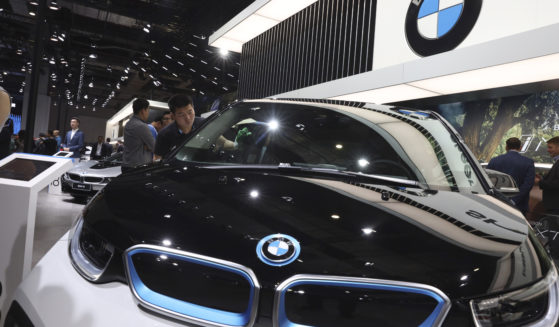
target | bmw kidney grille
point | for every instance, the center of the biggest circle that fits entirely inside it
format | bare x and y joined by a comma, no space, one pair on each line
317,300
191,287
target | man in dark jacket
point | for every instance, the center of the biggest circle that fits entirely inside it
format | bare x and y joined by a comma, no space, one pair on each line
520,168
550,182
100,149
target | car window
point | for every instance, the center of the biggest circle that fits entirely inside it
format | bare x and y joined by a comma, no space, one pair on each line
299,135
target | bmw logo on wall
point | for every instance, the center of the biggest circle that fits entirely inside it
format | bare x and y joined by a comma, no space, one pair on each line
435,26
278,250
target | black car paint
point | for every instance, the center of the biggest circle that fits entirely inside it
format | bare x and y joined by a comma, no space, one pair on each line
211,212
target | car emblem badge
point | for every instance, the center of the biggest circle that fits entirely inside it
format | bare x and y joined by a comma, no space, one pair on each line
435,26
278,250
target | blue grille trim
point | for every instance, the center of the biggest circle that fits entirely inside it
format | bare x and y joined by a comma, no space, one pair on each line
186,310
434,319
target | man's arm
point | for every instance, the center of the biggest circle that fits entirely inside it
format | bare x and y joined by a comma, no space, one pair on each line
527,184
551,181
491,164
147,138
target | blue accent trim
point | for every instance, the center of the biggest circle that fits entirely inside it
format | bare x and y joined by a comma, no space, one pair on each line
448,18
427,8
409,112
278,263
285,322
187,308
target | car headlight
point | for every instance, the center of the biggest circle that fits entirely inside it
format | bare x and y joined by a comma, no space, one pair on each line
533,306
89,252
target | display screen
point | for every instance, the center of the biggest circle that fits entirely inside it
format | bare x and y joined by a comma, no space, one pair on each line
24,169
62,154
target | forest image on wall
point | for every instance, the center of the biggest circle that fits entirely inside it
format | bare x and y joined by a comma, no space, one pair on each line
485,125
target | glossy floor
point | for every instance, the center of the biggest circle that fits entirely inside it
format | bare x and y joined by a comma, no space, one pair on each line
55,215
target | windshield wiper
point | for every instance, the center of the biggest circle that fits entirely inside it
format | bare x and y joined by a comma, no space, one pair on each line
325,170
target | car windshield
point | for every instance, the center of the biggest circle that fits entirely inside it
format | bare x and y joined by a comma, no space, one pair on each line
401,144
114,158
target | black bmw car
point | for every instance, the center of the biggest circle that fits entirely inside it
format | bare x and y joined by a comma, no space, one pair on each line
299,213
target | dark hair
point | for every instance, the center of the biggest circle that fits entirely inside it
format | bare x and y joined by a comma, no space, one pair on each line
139,104
76,119
554,140
179,101
514,143
108,139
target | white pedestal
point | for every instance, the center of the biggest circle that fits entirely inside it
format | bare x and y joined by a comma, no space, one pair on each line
18,204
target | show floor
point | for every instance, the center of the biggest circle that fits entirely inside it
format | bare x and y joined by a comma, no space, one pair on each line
55,215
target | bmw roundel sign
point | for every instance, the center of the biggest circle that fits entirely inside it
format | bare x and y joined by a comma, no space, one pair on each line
435,26
278,250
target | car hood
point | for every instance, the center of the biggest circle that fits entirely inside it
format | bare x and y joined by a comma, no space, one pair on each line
96,168
463,244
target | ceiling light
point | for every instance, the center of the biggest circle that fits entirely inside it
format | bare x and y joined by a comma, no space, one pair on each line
368,230
146,29
85,96
54,38
90,84
34,3
176,48
93,56
32,13
223,52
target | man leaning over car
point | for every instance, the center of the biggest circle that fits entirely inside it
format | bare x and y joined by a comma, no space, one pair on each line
550,182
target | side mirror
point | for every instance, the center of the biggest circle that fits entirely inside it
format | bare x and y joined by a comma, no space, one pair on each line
503,183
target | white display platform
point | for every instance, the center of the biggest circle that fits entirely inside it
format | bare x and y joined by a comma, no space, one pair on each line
22,176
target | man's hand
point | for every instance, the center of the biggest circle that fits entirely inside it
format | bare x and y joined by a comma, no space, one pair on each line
538,179
66,149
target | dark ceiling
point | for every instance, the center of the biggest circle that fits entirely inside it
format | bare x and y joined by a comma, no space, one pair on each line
99,54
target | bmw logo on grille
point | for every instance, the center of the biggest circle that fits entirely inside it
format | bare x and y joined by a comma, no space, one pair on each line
435,26
278,250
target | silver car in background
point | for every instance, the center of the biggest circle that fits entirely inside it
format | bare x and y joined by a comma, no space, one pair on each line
88,177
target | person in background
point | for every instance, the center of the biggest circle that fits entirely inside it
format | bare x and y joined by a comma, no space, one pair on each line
183,114
100,149
520,168
166,119
20,140
119,146
45,144
138,141
550,182
74,138
56,134
6,138
154,127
